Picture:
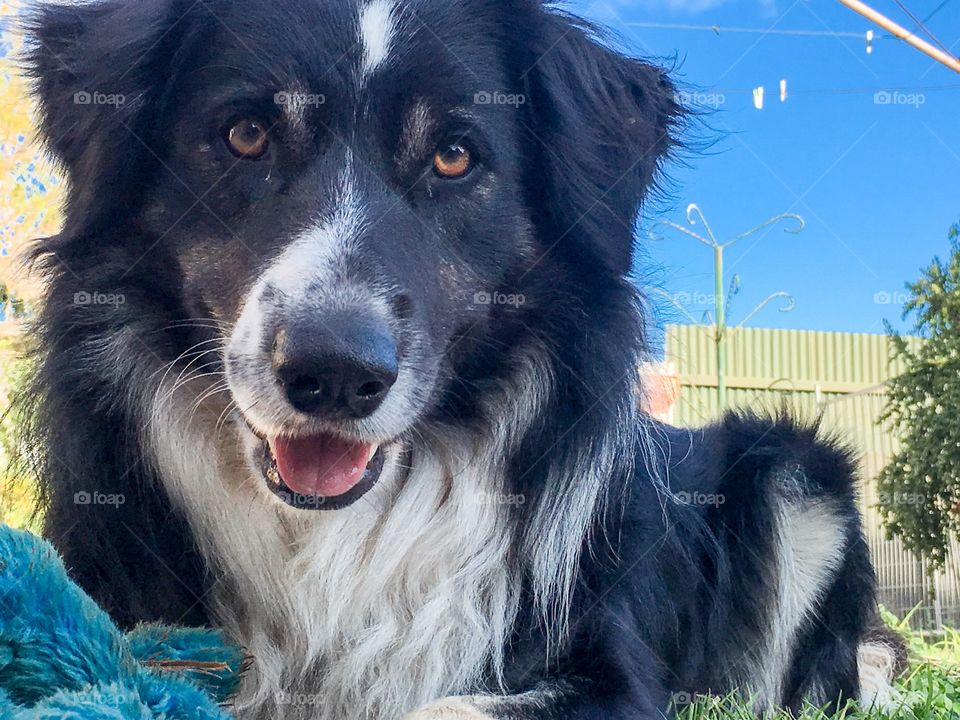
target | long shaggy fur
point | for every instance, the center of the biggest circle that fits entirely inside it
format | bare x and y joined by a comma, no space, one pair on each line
535,547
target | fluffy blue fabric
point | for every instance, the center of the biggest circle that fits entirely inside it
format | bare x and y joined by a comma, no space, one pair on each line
62,657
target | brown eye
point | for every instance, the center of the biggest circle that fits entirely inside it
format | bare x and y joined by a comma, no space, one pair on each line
248,139
452,161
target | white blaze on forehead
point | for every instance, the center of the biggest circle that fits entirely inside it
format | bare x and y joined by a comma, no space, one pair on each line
376,33
316,254
312,259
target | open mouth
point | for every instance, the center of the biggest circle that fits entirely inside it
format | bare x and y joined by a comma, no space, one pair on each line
319,472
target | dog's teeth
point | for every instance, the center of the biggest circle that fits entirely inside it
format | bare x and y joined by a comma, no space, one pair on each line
273,476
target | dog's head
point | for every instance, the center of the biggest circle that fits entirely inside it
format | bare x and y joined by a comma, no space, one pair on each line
369,202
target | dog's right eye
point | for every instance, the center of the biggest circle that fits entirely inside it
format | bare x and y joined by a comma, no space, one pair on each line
247,138
452,162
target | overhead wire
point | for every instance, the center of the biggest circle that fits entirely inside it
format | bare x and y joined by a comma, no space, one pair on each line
921,24
938,52
845,91
936,10
719,29
932,14
947,58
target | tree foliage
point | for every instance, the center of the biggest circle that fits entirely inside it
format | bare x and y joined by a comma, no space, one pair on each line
920,488
30,187
31,191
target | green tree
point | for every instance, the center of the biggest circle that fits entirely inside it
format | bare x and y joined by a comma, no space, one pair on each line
920,488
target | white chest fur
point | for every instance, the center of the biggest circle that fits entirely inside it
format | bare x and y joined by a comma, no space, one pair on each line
367,612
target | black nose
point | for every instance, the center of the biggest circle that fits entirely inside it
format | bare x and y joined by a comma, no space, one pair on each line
338,366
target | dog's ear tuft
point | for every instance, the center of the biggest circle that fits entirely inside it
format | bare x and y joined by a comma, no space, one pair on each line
603,123
93,66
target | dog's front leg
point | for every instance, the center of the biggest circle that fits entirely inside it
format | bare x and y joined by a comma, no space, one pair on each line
561,701
475,707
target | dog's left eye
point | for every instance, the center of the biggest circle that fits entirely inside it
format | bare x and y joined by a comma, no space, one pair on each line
248,139
452,161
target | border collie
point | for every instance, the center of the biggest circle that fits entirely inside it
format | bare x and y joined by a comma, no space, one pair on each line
340,319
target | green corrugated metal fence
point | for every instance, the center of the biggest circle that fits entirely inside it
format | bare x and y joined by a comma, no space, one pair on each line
840,376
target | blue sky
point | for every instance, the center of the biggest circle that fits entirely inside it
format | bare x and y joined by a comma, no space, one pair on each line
878,184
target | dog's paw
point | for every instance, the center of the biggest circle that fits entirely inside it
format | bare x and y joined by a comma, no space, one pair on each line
454,708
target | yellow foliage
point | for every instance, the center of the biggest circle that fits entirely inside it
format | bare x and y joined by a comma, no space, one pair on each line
30,189
30,197
18,504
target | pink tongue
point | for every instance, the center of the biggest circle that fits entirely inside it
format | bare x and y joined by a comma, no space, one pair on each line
322,465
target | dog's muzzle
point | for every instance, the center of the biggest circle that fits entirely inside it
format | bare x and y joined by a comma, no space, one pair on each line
333,369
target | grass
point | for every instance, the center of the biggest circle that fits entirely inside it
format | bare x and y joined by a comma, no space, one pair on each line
930,690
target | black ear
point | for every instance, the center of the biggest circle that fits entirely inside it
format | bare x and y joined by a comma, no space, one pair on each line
603,124
95,66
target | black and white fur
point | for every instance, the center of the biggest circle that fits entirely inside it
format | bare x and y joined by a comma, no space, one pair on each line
535,546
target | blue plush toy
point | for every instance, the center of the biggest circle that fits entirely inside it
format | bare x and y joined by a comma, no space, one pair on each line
62,657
